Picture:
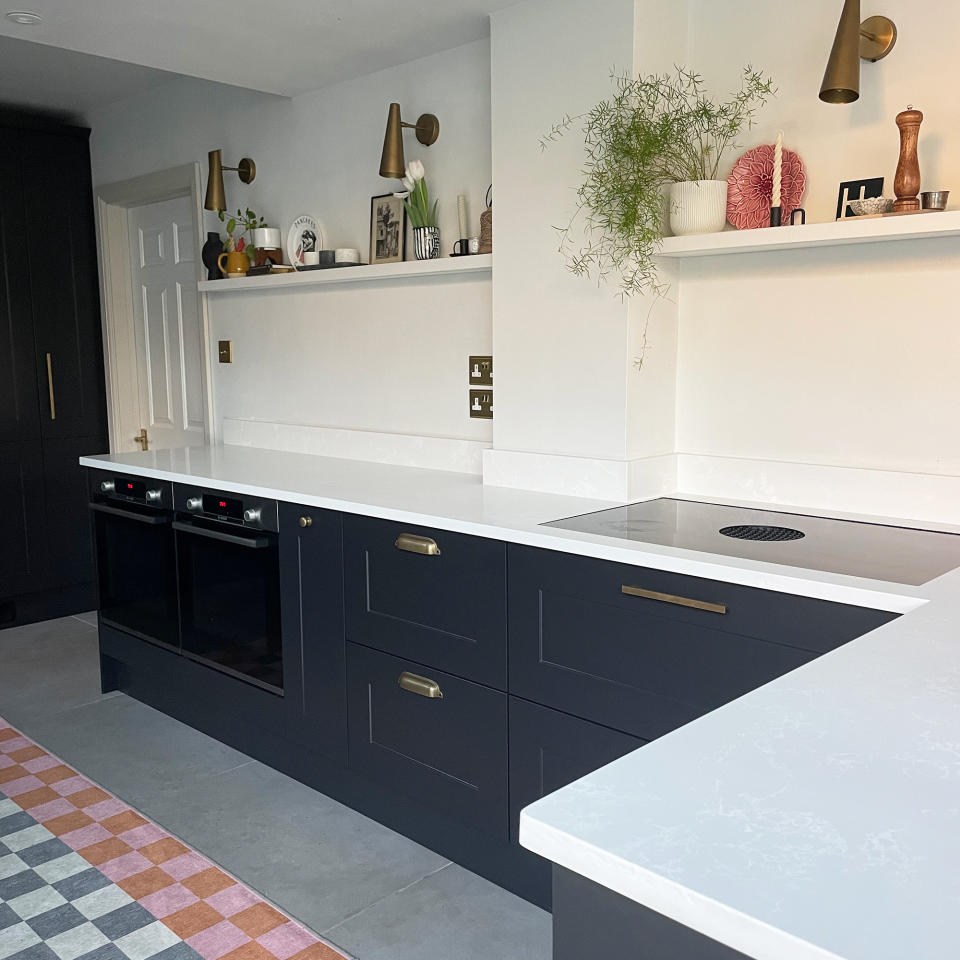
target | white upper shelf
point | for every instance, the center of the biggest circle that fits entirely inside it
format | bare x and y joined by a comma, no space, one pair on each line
408,270
836,233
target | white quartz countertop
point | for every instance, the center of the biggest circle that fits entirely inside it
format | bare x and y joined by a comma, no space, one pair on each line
816,817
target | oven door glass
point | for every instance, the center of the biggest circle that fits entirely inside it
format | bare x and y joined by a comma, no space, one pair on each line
136,571
230,600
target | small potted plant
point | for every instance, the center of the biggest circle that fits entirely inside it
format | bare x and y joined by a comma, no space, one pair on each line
656,135
423,216
238,225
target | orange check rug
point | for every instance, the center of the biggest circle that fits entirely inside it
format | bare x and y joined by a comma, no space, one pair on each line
83,876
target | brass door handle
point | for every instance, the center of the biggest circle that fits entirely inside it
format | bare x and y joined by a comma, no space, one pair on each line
305,521
421,686
142,439
415,544
53,399
671,598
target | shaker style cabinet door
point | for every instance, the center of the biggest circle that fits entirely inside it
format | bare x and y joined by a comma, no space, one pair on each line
19,406
61,244
432,596
432,736
311,582
24,564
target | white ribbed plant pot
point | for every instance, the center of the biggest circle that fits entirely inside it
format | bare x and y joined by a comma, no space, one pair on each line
698,206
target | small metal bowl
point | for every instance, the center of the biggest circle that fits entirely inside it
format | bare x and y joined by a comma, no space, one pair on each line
934,199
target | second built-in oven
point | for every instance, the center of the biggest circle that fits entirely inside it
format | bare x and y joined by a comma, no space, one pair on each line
228,575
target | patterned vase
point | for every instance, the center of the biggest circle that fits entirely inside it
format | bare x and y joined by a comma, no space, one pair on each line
426,243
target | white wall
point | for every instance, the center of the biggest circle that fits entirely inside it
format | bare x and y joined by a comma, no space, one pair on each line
840,357
390,358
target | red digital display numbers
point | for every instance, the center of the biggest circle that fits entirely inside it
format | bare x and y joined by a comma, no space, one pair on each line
223,503
129,486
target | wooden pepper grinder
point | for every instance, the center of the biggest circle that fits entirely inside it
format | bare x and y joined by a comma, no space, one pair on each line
906,185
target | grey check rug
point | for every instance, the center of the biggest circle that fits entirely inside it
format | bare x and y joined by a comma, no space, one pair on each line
55,906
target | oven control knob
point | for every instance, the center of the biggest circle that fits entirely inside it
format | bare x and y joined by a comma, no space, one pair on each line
194,503
107,486
154,496
251,515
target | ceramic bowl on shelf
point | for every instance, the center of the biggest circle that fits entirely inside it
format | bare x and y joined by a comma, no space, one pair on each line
871,206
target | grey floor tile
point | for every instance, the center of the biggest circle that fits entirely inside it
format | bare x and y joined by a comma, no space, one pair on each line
132,749
314,857
48,667
451,915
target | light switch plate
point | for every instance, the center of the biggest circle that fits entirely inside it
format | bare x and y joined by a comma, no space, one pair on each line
225,351
481,404
481,371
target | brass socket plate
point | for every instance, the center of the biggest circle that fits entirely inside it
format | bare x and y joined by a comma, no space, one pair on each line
225,351
481,404
480,371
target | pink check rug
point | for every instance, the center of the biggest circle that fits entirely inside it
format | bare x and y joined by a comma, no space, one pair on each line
84,876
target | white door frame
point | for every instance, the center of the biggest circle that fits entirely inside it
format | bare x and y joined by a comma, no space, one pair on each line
119,348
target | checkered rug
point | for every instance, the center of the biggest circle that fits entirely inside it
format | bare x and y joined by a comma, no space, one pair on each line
83,876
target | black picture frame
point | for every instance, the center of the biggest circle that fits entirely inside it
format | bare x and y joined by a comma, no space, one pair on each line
388,229
856,190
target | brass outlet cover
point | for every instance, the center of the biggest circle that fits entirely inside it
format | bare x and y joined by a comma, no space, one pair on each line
480,371
481,404
225,351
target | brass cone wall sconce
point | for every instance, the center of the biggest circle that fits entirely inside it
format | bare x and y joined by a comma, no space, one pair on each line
855,41
392,162
216,198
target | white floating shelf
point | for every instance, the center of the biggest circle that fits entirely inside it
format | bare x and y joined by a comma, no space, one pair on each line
408,270
835,233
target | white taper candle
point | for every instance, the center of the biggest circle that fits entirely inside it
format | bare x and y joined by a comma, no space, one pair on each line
462,214
778,171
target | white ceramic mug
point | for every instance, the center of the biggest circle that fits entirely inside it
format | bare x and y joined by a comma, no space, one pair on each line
311,258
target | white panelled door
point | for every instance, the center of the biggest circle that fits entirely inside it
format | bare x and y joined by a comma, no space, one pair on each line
166,324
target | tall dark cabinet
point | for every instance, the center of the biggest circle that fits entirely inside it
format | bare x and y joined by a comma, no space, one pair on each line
52,396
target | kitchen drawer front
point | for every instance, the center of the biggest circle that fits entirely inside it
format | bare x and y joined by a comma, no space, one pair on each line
579,645
549,749
448,752
446,609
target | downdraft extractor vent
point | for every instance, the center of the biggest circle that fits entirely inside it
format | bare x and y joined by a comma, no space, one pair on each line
759,532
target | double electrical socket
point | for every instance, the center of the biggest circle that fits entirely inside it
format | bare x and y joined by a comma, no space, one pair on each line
481,375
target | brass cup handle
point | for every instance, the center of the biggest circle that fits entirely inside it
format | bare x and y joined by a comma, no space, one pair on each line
421,686
305,521
416,544
671,598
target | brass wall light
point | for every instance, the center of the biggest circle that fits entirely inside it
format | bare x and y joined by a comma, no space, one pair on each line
216,198
855,41
392,163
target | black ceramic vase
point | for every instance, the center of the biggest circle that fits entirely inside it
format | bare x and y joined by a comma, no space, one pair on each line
210,254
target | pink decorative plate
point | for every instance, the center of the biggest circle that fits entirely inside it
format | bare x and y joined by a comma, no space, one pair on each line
750,187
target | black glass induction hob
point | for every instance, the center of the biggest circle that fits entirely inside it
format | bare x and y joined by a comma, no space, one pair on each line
871,550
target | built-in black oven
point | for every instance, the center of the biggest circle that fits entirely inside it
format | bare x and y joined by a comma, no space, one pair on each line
133,535
228,574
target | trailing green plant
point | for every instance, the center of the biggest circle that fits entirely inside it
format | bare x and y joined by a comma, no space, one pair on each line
653,131
246,221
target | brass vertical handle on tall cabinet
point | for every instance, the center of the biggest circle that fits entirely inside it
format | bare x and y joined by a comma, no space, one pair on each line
53,398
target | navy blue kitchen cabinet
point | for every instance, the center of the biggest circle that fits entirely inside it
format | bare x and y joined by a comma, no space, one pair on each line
439,739
549,749
311,598
431,596
587,638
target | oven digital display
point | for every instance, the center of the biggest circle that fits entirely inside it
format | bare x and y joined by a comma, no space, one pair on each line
223,506
135,489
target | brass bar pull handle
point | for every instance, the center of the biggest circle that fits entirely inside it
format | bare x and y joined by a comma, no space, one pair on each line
670,598
421,686
53,398
414,544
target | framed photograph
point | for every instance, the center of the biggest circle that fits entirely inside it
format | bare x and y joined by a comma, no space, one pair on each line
388,229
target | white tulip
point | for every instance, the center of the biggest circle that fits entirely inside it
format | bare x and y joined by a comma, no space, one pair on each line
409,183
403,196
415,170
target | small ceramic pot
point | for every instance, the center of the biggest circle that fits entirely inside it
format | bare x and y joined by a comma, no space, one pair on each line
698,206
426,243
266,237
